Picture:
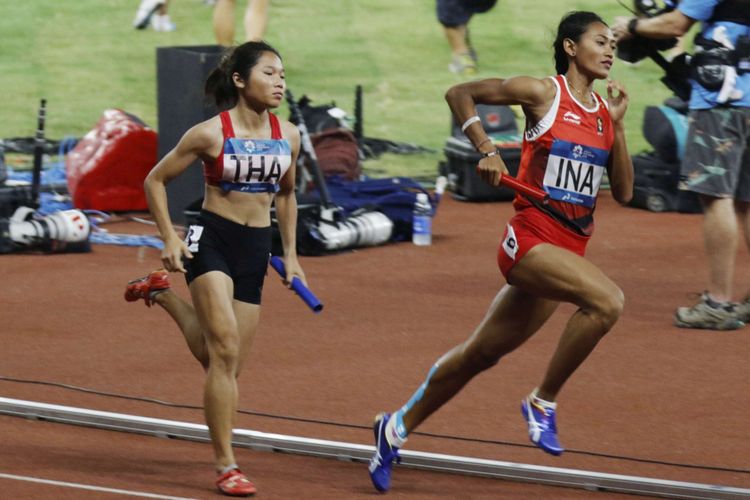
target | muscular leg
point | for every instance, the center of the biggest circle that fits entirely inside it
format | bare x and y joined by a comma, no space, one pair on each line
248,317
557,274
546,276
212,295
183,313
511,319
720,234
223,22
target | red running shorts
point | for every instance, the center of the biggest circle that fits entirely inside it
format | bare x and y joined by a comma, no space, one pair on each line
527,229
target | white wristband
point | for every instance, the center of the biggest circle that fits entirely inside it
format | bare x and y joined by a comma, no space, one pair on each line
468,122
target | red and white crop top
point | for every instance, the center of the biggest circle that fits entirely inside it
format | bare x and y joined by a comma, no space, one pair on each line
249,165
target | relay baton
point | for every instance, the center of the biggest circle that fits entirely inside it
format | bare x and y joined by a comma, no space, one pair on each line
524,189
299,288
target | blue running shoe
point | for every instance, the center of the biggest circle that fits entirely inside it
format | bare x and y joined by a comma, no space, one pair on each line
385,454
542,426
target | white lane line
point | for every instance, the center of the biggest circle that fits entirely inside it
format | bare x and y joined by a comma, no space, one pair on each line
90,487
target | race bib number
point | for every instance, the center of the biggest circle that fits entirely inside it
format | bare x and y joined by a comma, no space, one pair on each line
193,236
255,161
510,243
574,172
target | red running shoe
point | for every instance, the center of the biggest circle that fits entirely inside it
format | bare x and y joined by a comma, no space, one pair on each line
235,484
145,288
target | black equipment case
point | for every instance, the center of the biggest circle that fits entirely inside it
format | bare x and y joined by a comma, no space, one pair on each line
461,158
11,197
657,173
655,186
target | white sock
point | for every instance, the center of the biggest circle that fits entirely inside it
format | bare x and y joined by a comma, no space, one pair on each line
228,468
542,402
392,436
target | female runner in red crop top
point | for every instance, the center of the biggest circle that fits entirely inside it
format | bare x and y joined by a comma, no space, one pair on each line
249,159
572,137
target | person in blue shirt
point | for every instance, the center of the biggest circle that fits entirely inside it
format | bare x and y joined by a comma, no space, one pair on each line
717,156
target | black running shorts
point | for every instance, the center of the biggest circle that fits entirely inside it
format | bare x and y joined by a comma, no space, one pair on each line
240,252
452,13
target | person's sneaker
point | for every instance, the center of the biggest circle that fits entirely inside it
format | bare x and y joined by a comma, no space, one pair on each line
743,310
708,314
148,287
542,426
235,484
385,454
143,15
162,23
463,64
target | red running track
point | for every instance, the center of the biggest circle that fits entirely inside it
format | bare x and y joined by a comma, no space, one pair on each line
650,391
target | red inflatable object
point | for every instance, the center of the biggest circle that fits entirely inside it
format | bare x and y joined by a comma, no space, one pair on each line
107,167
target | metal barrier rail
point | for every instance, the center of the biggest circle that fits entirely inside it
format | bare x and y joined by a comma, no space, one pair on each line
553,476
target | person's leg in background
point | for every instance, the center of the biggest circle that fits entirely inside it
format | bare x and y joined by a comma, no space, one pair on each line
713,167
743,212
720,234
147,11
161,21
256,20
742,207
223,22
454,16
461,60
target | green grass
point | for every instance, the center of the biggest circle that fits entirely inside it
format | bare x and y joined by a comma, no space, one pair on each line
84,56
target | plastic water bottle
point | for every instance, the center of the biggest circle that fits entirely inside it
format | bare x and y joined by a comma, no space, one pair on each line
422,221
440,185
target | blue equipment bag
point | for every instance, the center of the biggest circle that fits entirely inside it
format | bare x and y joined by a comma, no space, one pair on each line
394,196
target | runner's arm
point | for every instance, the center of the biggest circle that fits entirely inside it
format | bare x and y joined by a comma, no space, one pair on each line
534,95
620,165
196,141
286,209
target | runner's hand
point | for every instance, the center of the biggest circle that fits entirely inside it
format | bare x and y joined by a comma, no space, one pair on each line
491,169
171,256
618,104
293,269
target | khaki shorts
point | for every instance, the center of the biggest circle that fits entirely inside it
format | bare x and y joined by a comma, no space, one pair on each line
717,154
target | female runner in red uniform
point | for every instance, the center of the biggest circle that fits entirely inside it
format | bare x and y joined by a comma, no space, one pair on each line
572,135
249,158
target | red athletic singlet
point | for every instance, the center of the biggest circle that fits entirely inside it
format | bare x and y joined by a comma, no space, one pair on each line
249,165
566,154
